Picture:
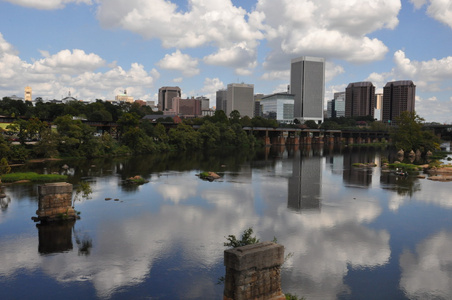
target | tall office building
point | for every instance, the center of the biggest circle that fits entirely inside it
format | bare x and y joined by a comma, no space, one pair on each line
336,107
240,97
28,93
278,107
398,96
205,102
378,112
307,83
360,99
221,100
166,94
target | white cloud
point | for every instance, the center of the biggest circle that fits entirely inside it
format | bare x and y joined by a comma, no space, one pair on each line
440,10
47,4
52,76
428,75
68,62
327,28
239,56
215,23
180,62
426,273
332,70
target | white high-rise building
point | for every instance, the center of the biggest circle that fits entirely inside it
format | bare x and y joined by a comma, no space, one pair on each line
307,84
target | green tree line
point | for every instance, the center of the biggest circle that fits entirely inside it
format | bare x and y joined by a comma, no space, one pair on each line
70,137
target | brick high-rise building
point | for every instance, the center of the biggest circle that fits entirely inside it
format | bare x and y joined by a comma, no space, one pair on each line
398,96
166,94
360,99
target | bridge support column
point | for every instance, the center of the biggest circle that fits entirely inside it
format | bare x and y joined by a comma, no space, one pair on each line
254,272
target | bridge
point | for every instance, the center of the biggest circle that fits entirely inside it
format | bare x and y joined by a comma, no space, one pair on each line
291,136
295,136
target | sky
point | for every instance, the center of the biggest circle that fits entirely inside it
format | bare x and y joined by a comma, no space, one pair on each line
96,49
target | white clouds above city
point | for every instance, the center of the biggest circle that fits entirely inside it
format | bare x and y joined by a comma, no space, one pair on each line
143,45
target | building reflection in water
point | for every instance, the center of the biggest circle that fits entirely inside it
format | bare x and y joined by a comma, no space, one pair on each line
55,237
358,176
304,184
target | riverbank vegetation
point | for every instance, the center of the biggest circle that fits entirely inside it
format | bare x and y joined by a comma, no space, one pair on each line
70,137
33,177
56,131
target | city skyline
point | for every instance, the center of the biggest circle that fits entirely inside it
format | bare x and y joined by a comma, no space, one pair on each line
98,49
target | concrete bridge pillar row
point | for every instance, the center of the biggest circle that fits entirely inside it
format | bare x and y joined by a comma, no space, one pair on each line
254,272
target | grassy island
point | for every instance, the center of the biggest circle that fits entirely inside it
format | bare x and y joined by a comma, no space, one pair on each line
33,177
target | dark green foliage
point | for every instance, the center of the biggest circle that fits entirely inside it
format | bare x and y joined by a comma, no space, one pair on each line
408,134
289,296
4,166
184,137
311,124
34,177
246,239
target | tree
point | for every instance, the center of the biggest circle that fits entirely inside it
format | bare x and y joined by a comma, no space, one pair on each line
210,134
311,124
234,116
408,134
246,239
220,117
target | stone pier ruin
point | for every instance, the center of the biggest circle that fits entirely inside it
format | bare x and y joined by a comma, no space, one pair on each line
55,202
254,272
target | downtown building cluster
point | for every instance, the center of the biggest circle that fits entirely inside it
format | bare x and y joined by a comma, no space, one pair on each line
303,101
360,100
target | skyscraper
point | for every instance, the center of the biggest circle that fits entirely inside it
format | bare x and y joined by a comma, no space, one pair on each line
360,99
167,93
240,97
221,100
398,96
307,83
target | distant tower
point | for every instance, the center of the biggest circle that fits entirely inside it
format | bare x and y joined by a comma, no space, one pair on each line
360,99
221,100
398,96
307,83
28,94
166,94
240,97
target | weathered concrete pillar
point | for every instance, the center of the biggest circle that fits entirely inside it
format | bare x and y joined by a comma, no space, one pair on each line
55,202
308,140
350,140
254,272
267,141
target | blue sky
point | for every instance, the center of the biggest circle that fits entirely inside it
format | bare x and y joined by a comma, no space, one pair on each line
98,48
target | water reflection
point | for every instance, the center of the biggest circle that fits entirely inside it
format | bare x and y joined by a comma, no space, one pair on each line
55,237
169,232
4,202
427,273
304,184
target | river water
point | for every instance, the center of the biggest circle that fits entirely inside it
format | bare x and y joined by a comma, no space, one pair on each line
352,233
